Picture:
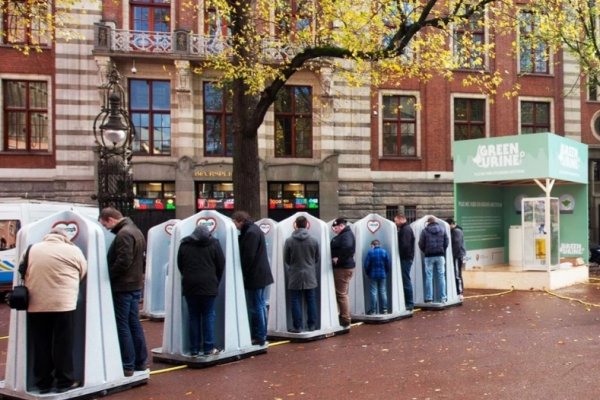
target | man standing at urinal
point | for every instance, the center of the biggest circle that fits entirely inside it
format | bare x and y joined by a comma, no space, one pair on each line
406,247
55,269
257,273
343,246
433,242
126,270
301,257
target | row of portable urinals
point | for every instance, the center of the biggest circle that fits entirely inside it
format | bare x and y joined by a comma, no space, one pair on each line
98,363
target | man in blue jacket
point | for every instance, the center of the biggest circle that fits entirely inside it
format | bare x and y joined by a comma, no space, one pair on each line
433,242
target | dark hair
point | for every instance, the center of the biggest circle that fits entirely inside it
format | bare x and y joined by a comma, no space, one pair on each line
430,220
450,221
301,221
339,221
375,242
110,212
240,216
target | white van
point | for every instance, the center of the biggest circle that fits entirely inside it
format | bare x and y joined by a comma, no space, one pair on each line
16,213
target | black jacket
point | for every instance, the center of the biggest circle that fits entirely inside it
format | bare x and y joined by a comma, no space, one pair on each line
458,242
433,241
343,246
406,242
254,258
126,257
201,262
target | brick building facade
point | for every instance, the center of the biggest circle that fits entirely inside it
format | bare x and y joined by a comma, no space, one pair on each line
353,167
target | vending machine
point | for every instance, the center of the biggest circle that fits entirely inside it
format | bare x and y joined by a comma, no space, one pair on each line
540,224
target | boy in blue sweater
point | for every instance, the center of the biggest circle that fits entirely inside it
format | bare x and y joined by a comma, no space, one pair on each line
377,267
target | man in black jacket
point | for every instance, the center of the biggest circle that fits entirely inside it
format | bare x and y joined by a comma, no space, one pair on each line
406,247
126,270
256,271
201,262
343,246
457,238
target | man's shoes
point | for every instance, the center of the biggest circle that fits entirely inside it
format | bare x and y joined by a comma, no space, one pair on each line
461,297
370,312
345,324
74,385
256,342
45,390
128,372
312,328
213,352
384,311
294,330
427,301
141,368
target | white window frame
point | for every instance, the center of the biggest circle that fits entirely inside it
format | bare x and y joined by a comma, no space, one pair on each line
518,58
477,96
486,39
417,96
539,100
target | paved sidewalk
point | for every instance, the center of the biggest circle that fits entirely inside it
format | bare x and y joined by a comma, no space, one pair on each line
515,345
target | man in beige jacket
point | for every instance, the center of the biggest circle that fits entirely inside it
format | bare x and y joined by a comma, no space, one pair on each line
55,270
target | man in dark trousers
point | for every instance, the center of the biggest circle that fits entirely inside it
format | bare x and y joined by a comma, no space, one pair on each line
457,238
433,242
406,247
343,246
55,269
301,257
257,273
126,270
201,262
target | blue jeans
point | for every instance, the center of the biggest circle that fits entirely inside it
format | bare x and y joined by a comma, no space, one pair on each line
257,310
435,266
406,266
132,342
311,307
378,295
201,314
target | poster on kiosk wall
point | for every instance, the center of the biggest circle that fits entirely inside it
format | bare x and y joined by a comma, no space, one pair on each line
493,176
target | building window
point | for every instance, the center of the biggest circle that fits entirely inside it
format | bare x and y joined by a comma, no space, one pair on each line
154,195
535,116
292,17
593,86
391,212
410,212
215,196
25,116
533,55
294,195
469,41
399,126
150,110
23,22
469,118
293,122
150,15
218,121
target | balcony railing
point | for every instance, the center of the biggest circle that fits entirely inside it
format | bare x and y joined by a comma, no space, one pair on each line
178,42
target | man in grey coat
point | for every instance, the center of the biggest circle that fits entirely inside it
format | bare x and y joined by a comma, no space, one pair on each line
301,257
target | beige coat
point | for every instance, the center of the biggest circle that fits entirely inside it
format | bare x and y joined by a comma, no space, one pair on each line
56,267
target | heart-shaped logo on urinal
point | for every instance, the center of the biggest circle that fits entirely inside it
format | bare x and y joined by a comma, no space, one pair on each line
71,227
265,228
169,229
209,222
373,225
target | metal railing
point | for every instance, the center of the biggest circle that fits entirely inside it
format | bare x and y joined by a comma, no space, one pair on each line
181,42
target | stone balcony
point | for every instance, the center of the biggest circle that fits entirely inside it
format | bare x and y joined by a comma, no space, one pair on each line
177,44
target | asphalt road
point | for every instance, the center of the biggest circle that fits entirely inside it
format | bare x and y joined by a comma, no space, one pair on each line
515,345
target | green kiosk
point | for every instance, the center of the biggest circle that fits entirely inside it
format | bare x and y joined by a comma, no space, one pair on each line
522,202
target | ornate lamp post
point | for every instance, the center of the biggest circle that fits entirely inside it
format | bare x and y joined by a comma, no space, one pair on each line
114,133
